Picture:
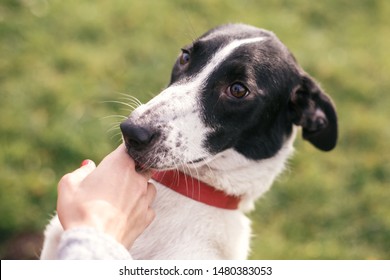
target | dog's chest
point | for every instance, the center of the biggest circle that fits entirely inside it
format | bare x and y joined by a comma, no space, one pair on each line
186,229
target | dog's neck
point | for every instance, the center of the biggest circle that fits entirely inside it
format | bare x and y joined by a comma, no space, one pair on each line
237,175
196,189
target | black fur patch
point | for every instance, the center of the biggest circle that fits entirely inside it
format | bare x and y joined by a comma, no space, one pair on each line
256,125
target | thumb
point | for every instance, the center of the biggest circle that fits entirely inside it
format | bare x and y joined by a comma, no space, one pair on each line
87,166
73,179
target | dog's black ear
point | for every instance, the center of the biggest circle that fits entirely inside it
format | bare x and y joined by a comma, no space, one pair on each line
312,109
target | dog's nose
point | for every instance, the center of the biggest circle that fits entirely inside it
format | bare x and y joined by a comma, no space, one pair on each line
135,136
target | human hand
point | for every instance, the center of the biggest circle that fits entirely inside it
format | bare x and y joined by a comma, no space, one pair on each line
111,197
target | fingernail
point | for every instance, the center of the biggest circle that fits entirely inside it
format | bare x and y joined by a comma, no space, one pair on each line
85,162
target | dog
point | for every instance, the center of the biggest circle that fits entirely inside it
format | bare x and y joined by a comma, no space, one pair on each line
217,137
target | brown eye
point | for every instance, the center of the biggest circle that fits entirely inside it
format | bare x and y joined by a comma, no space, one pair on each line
185,57
238,90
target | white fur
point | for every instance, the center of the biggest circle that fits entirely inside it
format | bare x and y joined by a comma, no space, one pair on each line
215,233
176,110
166,238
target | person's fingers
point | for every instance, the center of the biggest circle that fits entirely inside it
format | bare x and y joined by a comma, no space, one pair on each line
142,206
150,193
120,157
73,179
86,168
150,196
150,215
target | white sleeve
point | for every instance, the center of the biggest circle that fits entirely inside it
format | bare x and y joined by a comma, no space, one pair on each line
86,243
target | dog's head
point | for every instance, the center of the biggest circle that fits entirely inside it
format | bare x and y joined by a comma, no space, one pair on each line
237,88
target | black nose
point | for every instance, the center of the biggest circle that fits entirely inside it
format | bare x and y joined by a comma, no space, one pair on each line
136,137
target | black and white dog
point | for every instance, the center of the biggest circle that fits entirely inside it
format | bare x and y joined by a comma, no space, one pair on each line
217,137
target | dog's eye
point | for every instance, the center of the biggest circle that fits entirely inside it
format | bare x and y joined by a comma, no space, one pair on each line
184,57
238,90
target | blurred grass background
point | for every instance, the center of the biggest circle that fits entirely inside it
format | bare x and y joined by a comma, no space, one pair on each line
61,60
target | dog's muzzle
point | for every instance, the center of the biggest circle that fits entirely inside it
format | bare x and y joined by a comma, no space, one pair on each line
137,137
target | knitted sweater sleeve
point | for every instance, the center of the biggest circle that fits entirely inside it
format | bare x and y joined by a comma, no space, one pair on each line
90,244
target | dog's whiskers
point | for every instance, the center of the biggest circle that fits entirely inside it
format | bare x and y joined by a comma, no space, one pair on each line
131,98
115,116
133,102
119,140
114,126
131,105
184,165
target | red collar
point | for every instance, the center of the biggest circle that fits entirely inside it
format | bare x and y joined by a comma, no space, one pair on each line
196,190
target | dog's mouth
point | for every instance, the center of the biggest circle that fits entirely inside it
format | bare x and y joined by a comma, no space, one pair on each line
196,161
142,167
146,161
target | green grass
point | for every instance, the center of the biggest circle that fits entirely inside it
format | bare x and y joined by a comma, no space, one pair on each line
61,60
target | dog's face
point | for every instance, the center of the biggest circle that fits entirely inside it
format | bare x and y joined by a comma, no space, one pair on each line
236,88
